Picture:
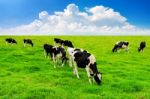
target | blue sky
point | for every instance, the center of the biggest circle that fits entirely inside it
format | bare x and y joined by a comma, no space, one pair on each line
17,12
74,17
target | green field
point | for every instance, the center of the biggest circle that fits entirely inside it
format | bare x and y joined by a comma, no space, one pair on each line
26,73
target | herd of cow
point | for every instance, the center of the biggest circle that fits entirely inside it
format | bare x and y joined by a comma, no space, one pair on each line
124,45
78,58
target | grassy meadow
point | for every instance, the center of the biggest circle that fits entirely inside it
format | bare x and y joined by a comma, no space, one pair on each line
26,74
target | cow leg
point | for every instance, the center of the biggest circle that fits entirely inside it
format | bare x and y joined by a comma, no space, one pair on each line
63,62
54,61
116,50
70,61
62,65
49,55
88,74
76,70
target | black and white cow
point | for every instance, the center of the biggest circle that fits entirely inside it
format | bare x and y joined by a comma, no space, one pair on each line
70,50
142,46
56,53
63,42
87,61
59,53
58,41
67,43
10,40
27,41
120,45
48,50
80,58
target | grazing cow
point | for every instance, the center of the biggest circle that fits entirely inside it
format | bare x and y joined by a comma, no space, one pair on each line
142,46
56,54
59,53
83,59
67,43
27,41
63,42
57,41
48,50
70,50
120,45
10,40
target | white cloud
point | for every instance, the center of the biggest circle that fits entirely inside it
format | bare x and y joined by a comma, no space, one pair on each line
98,20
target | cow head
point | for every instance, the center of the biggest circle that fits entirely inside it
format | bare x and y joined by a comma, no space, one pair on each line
126,43
98,78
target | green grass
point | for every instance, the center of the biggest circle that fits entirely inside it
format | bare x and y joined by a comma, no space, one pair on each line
26,74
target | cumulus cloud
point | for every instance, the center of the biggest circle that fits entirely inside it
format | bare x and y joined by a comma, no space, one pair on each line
98,20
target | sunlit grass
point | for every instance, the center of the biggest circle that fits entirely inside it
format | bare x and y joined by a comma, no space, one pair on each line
26,73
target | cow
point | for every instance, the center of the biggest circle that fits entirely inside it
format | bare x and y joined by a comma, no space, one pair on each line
83,59
56,53
67,43
120,45
10,40
87,61
59,53
57,41
142,46
70,50
48,50
27,41
64,43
